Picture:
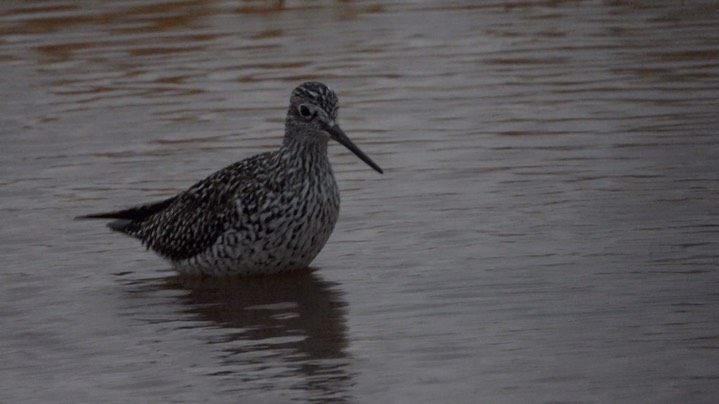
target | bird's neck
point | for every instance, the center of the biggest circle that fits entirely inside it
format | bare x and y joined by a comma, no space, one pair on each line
305,153
301,143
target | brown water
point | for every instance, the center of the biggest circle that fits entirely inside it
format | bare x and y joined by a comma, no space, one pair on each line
547,228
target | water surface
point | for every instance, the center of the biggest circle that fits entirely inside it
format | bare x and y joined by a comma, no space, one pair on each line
545,231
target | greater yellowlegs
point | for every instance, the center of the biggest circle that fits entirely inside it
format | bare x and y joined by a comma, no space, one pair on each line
269,213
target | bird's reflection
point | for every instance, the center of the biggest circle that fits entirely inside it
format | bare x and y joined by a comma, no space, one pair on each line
289,327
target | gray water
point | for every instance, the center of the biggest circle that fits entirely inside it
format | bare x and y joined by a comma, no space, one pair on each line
546,230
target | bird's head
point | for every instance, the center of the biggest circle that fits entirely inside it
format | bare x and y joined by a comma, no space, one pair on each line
312,117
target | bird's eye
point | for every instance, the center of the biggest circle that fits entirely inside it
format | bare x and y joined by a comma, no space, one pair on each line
305,111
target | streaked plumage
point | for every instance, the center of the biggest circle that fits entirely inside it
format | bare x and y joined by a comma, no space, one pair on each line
269,213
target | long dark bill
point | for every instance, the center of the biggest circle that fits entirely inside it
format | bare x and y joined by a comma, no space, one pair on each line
339,135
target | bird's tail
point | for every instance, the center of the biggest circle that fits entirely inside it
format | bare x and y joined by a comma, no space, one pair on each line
127,220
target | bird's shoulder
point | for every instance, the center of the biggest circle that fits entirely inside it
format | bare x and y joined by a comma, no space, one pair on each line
241,177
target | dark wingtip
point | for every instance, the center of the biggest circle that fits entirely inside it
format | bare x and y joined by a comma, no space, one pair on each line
139,212
94,216
119,224
116,225
127,221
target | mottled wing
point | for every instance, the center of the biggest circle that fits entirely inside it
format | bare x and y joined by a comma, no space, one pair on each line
198,216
